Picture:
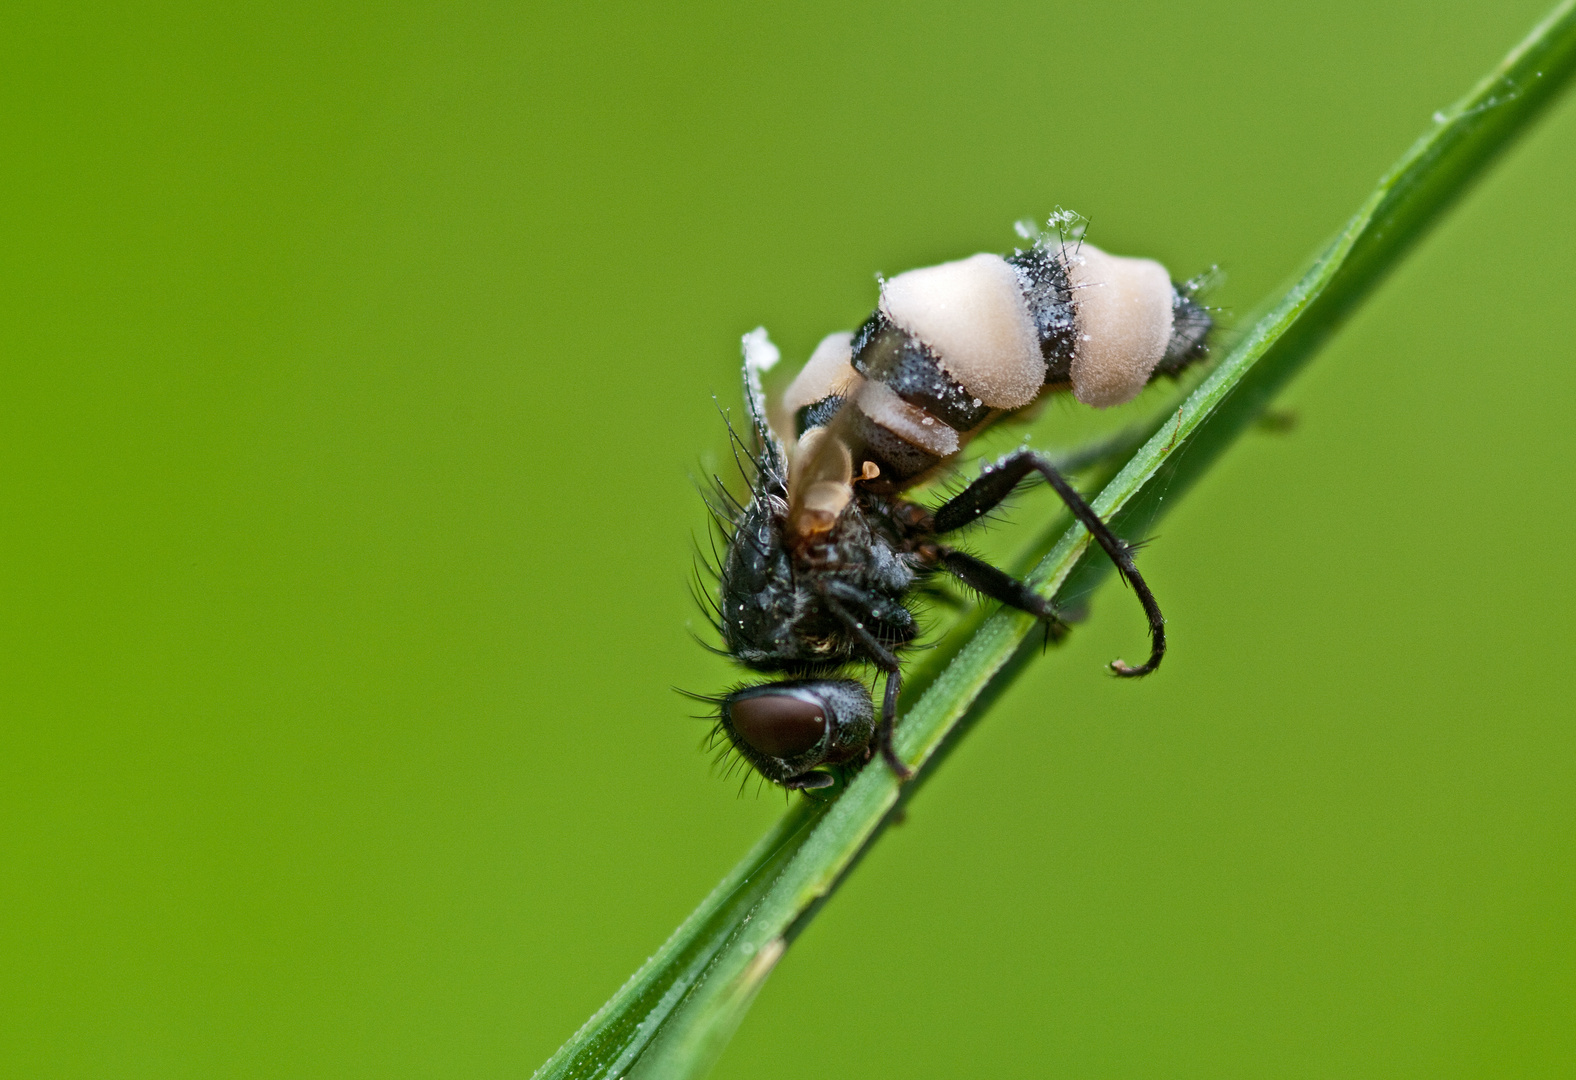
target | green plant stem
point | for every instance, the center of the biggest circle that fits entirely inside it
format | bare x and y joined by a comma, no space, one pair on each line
677,1013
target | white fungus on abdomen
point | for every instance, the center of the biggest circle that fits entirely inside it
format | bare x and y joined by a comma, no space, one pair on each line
972,313
953,347
1123,323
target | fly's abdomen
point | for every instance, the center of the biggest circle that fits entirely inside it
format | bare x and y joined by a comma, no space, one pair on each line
952,347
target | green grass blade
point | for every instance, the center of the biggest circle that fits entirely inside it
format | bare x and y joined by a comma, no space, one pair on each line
675,1015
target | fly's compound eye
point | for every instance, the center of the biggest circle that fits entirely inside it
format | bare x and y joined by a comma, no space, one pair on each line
786,729
781,724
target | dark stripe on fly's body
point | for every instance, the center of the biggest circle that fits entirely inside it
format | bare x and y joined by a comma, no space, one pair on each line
816,414
886,353
1043,279
1048,294
899,460
1190,327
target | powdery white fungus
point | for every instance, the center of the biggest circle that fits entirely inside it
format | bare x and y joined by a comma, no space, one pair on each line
881,404
828,371
1124,312
759,352
972,312
759,355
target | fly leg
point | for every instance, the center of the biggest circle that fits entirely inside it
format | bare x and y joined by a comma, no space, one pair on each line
1001,586
883,658
997,482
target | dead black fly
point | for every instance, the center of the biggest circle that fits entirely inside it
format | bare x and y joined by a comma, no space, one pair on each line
823,561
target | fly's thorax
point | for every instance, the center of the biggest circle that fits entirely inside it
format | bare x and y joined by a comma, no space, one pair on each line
786,601
757,595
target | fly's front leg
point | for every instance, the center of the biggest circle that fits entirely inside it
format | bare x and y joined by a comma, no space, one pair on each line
884,733
886,660
998,481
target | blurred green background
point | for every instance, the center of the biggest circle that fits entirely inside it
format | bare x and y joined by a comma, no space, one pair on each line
357,362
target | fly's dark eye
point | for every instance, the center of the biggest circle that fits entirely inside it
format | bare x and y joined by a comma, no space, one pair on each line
778,724
790,729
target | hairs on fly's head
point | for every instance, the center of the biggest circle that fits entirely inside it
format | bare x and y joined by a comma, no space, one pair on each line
725,756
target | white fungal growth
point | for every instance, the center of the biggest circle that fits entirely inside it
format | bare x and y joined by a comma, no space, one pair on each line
1124,317
829,371
908,422
759,352
972,313
759,355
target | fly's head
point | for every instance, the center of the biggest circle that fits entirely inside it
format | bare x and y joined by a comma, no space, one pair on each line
788,730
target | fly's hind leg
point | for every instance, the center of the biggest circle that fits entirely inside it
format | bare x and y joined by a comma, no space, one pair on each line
995,484
1001,586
